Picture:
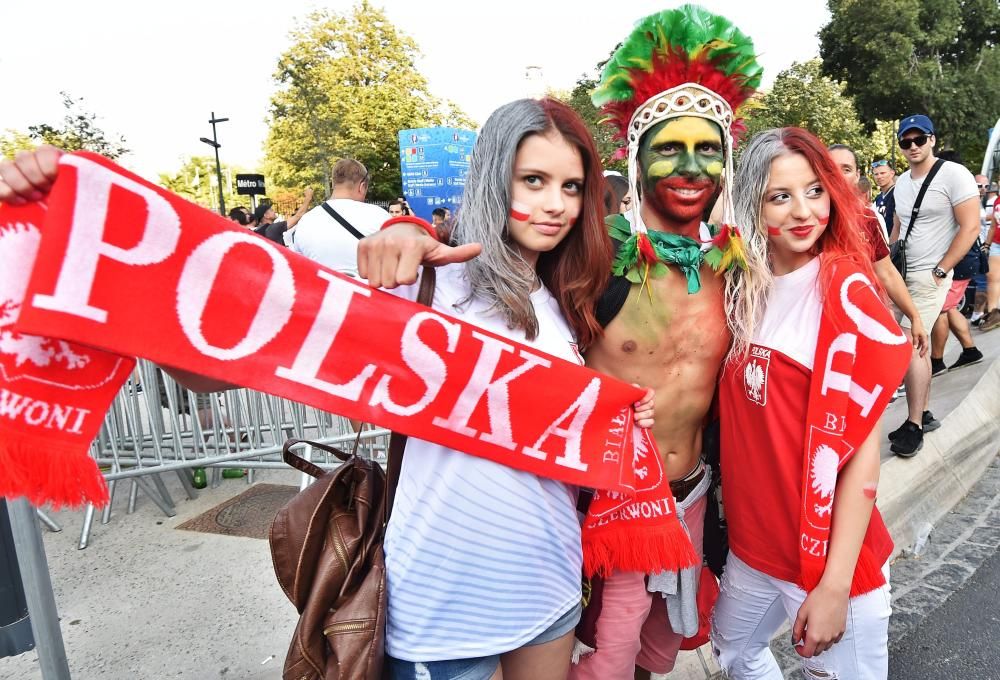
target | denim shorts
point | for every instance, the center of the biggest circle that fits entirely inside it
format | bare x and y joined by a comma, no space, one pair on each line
480,668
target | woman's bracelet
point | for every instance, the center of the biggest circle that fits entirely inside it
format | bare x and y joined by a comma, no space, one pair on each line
412,219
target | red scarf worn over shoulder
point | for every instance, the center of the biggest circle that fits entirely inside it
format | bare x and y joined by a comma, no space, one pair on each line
116,267
861,356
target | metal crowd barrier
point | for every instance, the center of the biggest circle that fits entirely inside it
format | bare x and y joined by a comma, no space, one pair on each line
155,427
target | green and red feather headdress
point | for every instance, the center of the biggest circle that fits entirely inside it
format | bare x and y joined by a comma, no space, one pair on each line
680,62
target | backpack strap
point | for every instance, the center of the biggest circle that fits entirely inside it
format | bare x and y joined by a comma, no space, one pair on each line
344,223
920,195
303,465
397,441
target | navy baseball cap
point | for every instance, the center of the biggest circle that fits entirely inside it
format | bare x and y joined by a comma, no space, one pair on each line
917,122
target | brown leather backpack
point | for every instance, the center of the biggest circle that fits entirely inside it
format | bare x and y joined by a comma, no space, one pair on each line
326,547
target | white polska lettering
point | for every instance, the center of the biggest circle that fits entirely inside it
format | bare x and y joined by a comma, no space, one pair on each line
842,382
496,390
581,409
422,360
330,317
867,326
197,281
86,245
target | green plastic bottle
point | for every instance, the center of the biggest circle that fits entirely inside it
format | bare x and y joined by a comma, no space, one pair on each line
233,473
200,480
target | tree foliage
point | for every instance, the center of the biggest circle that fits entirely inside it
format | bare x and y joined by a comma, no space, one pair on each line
579,101
196,181
79,132
346,86
803,97
938,57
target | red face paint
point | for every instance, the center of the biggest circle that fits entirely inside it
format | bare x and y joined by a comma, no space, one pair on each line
774,231
870,488
519,211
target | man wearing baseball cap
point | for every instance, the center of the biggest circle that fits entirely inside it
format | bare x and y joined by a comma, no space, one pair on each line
947,226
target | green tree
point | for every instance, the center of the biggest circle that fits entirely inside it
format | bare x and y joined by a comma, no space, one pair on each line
196,181
13,141
803,97
346,86
603,133
938,57
78,132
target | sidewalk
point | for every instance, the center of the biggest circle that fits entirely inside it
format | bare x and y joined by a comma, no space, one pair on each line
147,601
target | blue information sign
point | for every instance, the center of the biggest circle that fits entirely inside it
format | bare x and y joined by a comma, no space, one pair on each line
433,163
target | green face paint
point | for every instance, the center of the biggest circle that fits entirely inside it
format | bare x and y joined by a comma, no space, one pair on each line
688,145
681,162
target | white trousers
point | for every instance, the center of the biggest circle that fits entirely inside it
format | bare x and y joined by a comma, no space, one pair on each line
753,606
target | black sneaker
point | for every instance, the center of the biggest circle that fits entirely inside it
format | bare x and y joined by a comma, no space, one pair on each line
938,367
909,441
898,432
929,422
969,356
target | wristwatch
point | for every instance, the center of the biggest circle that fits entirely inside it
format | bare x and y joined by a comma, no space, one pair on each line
940,273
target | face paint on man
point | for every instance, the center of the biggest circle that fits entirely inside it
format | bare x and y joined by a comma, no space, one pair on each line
681,162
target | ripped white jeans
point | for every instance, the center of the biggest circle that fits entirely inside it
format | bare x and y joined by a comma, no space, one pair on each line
753,606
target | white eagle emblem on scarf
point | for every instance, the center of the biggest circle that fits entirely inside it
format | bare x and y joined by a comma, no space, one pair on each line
823,477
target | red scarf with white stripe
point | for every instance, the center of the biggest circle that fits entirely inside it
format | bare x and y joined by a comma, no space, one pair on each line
861,356
116,267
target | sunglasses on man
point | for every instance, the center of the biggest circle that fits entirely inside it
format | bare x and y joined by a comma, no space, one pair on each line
878,164
919,140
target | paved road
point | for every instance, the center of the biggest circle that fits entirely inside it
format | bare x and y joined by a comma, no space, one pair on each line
961,639
945,621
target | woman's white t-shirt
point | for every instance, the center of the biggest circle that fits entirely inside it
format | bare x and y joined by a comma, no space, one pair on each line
480,558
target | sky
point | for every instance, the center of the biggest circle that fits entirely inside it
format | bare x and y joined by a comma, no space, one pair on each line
154,72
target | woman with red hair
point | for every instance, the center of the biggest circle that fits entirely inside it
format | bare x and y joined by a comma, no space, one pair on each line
799,427
483,561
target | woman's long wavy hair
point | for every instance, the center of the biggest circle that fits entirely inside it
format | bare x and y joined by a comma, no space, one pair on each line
841,241
573,271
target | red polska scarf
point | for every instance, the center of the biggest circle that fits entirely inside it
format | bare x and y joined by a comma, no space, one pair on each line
861,356
127,267
53,393
640,531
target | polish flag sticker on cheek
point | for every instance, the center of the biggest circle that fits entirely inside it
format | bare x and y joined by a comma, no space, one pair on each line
519,211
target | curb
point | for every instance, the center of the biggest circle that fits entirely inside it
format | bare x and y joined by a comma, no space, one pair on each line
926,487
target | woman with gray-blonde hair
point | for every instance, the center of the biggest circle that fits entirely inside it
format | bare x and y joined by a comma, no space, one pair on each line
483,561
799,426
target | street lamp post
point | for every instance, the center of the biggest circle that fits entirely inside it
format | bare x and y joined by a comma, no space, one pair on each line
214,143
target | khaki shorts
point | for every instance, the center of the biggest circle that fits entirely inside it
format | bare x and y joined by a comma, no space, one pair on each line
928,296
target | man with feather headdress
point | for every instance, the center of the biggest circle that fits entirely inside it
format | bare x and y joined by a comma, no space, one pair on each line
671,89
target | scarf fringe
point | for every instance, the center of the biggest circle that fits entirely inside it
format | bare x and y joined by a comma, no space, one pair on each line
646,549
58,474
868,574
